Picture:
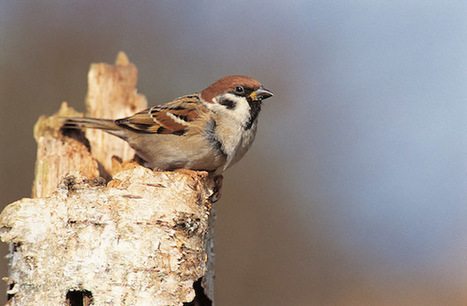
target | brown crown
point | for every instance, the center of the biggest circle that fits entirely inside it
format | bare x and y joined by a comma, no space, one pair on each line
228,84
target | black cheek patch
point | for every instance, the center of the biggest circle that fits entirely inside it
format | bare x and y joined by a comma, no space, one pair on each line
229,104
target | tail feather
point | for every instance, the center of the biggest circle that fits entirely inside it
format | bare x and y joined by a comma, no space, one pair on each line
92,123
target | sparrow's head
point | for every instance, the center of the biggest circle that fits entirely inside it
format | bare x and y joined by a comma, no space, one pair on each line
237,85
237,96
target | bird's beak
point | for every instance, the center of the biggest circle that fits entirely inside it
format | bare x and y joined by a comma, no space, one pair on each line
261,94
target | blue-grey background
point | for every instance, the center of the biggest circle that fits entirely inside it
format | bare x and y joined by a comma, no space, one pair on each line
355,191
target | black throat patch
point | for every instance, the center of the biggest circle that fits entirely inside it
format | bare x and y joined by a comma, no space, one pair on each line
255,108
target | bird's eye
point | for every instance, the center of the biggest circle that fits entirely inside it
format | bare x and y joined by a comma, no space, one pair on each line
239,89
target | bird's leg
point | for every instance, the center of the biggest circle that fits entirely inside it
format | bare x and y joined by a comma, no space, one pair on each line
217,192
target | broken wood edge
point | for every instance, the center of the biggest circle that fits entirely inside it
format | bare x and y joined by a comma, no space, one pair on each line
153,226
61,153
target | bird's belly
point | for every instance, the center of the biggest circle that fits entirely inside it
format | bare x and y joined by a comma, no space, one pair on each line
170,152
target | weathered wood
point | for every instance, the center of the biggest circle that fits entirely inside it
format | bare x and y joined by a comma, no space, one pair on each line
112,94
58,154
137,241
136,238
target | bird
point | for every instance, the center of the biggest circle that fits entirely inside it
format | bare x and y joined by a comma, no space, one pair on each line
209,130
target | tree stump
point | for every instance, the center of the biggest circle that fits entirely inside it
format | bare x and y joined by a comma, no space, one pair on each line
111,233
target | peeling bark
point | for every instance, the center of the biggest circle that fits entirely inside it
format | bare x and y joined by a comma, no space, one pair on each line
134,237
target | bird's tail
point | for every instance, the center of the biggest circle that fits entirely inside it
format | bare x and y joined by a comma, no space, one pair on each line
92,123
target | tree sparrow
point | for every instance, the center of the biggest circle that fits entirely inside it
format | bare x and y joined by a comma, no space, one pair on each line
210,130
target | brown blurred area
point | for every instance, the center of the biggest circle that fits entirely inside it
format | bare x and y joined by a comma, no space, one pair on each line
288,232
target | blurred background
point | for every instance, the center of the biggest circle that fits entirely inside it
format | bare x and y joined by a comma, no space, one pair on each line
355,191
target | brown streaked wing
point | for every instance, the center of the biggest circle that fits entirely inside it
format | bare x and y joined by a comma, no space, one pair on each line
171,118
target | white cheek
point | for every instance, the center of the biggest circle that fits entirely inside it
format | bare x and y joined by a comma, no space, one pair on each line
241,111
